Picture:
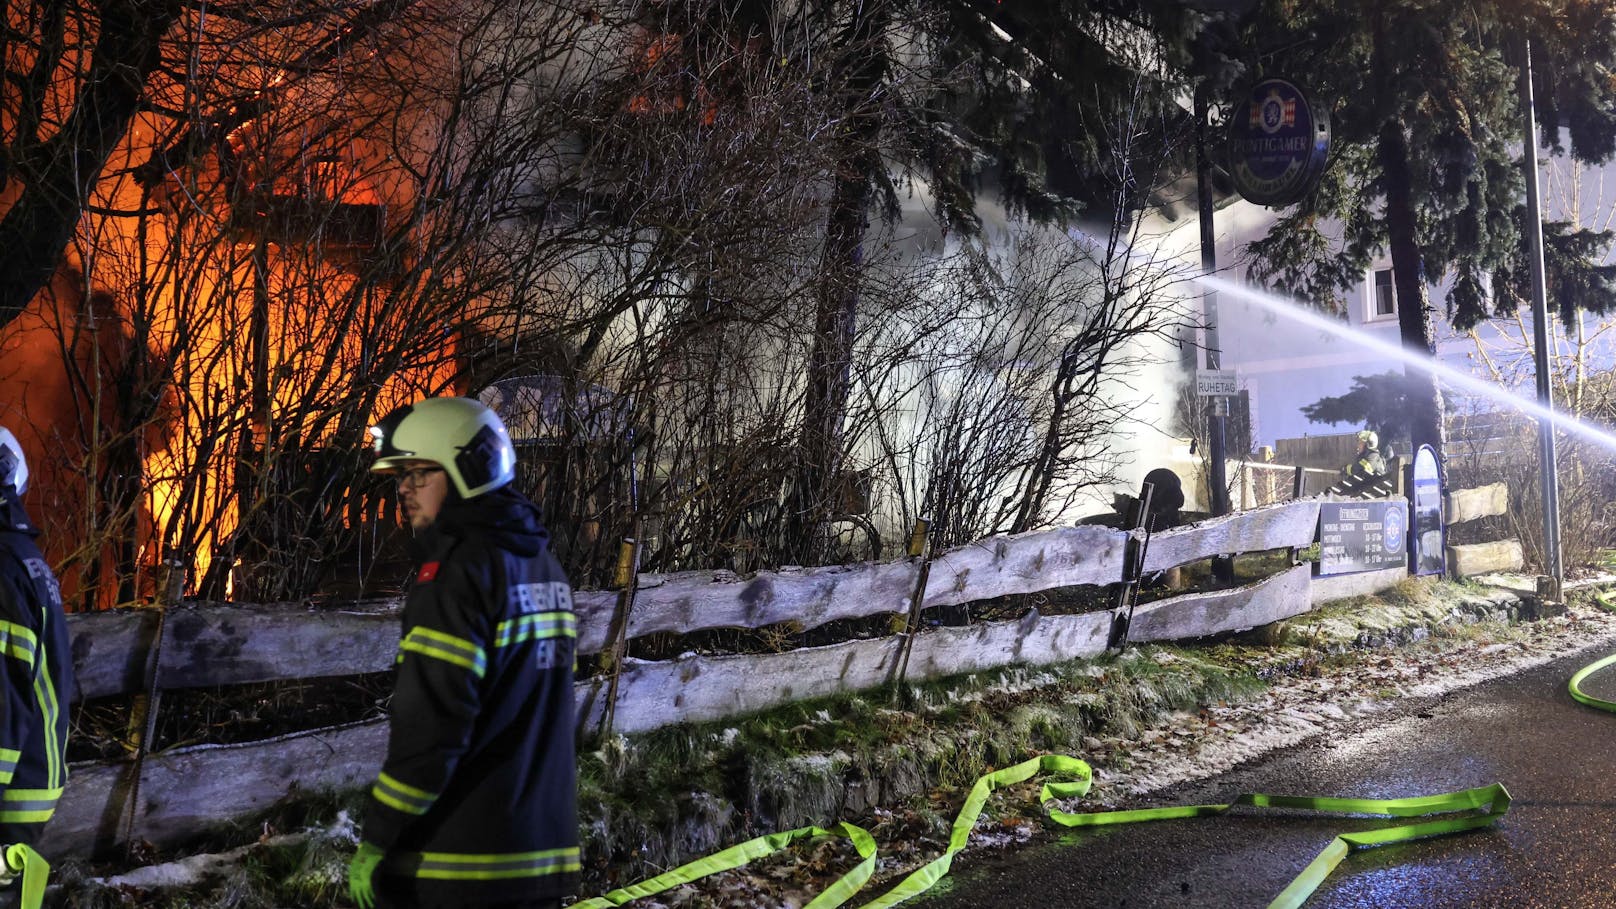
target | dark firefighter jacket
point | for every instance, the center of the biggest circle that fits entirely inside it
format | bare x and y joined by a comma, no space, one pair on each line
475,801
1365,464
38,679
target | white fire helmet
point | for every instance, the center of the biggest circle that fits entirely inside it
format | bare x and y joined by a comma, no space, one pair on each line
13,466
463,436
1369,437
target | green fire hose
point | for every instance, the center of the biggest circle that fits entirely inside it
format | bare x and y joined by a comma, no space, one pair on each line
35,871
736,856
1469,810
1575,685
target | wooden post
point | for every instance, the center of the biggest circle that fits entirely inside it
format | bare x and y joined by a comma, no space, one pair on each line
1298,483
1133,567
627,580
919,548
143,707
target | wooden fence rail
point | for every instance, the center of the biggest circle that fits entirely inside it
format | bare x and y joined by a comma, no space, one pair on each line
184,790
216,644
1470,559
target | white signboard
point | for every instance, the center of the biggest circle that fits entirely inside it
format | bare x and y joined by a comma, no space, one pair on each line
1211,383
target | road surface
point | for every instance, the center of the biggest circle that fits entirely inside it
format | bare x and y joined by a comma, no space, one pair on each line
1555,848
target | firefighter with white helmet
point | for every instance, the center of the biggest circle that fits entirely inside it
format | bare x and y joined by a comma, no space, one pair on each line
475,802
35,682
1367,462
1365,476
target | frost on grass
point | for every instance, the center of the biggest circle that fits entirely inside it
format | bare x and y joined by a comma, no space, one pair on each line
306,868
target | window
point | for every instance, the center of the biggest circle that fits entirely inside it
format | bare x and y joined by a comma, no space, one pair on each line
1383,302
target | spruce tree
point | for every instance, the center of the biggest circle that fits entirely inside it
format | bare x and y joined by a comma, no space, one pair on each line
1427,133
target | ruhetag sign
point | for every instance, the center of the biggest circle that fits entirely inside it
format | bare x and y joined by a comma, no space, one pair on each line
1278,143
1211,383
1428,544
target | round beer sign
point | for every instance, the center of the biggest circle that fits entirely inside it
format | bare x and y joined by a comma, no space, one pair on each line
1278,143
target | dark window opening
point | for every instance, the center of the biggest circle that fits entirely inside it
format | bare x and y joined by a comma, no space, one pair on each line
1385,301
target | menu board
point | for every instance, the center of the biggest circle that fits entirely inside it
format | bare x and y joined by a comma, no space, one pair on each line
1362,536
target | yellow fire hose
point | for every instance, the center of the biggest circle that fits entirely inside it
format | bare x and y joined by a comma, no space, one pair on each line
1466,809
1575,685
35,871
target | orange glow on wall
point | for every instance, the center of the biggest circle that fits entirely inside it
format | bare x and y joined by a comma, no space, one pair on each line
240,268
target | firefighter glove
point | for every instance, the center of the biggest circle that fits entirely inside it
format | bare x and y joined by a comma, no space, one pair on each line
360,871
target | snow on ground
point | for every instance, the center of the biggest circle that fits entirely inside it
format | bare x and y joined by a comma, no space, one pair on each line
1191,746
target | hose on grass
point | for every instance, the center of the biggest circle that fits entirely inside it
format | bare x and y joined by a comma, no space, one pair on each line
1449,812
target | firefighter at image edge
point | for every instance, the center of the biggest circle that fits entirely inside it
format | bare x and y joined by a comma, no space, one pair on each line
475,803
38,679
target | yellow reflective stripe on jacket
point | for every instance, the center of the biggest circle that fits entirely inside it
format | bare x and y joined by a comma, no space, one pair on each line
446,647
8,764
50,710
534,627
28,806
406,798
18,642
458,866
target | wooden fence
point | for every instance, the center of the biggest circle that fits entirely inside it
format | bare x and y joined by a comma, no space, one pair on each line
184,789
1255,484
1469,560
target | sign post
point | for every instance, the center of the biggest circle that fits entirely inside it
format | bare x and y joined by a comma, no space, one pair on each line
1547,457
1217,414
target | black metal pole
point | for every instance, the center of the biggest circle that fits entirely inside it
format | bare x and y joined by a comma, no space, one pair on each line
1218,406
1540,333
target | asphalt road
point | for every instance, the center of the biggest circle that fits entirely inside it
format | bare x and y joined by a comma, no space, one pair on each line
1555,848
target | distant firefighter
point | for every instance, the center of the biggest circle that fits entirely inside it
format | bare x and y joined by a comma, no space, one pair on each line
1365,476
1368,461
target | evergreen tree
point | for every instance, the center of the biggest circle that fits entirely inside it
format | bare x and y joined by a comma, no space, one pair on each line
1375,402
1426,161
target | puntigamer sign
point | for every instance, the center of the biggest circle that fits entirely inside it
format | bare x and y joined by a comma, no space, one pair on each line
1278,143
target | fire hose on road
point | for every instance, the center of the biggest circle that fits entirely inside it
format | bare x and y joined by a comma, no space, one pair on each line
1581,697
1450,812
